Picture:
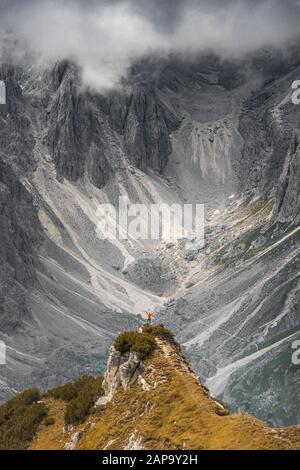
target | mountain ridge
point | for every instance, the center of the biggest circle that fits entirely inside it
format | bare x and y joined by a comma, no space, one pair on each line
162,406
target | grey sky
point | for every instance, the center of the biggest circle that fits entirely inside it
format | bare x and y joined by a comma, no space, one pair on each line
104,37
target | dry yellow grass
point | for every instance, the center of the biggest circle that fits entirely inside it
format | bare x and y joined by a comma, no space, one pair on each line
176,413
51,437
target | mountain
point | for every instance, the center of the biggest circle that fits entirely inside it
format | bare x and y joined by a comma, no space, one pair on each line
154,402
220,132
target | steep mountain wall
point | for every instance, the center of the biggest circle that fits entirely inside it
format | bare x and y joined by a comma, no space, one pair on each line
79,138
21,232
267,124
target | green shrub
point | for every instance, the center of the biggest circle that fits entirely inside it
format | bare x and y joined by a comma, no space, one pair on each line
29,396
81,406
80,395
141,343
159,331
78,409
125,341
19,420
49,421
144,345
64,392
70,391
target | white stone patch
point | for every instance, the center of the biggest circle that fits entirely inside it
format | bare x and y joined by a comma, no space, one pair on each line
2,92
103,401
144,384
219,404
134,441
2,353
73,441
109,444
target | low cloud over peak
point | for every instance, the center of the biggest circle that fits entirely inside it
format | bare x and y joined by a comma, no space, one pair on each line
105,37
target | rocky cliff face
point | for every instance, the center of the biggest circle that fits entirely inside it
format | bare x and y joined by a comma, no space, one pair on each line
20,237
267,124
21,232
147,129
82,127
122,370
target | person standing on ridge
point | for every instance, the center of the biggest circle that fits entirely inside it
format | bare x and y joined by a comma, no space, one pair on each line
149,317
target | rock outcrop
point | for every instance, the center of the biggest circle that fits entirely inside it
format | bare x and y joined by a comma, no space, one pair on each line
122,370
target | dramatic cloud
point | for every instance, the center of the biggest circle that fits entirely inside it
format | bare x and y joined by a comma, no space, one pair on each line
105,37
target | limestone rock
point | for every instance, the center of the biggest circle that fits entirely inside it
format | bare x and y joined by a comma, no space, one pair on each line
122,370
